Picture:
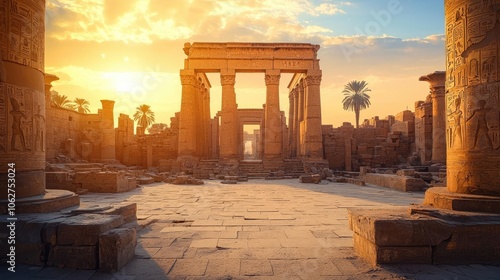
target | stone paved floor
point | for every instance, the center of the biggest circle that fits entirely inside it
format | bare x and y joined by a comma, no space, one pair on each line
254,230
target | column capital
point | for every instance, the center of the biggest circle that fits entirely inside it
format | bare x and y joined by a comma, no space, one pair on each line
435,80
312,80
227,79
188,78
272,77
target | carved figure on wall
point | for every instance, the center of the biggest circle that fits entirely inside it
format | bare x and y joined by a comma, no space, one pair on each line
39,124
482,124
17,130
456,133
3,74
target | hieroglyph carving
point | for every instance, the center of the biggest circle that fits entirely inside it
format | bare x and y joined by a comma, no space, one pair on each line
473,95
22,22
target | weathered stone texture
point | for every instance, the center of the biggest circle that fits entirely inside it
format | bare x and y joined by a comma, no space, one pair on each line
116,248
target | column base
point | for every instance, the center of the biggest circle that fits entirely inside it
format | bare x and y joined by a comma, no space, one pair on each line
440,197
424,235
51,201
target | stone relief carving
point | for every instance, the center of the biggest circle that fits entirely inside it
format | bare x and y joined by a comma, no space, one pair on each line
24,30
455,120
17,128
39,120
481,123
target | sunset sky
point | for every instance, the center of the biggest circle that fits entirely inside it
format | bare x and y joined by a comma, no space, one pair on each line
131,51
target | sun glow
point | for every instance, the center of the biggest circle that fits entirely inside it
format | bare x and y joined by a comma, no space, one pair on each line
125,82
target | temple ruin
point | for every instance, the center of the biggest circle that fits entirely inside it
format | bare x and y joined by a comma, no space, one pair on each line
450,143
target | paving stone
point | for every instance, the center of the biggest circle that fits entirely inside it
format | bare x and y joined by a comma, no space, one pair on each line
204,243
223,267
187,267
232,243
256,268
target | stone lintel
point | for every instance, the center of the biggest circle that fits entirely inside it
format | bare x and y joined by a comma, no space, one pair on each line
440,197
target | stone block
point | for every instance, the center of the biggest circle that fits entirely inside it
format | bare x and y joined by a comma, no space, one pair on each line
402,183
85,229
116,248
425,235
311,179
127,211
374,254
405,172
80,257
145,180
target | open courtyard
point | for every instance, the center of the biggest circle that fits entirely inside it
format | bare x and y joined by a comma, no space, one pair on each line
260,229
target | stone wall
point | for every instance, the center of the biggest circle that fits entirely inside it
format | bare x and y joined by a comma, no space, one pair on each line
63,124
376,143
77,136
423,130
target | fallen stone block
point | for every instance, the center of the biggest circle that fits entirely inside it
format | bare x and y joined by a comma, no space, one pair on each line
145,180
229,182
116,248
314,179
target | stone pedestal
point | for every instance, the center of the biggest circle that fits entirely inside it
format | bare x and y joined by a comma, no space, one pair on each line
437,88
273,134
458,224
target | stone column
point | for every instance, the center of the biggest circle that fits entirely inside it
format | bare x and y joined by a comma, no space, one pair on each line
291,121
300,120
313,132
107,130
295,122
472,96
437,88
273,135
22,98
229,117
187,121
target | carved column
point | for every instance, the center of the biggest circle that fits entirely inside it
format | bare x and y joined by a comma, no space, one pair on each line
22,98
107,130
313,140
229,117
472,96
291,120
437,87
273,135
187,120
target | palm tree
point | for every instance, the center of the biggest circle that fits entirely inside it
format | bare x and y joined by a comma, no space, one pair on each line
356,97
61,101
144,116
82,105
